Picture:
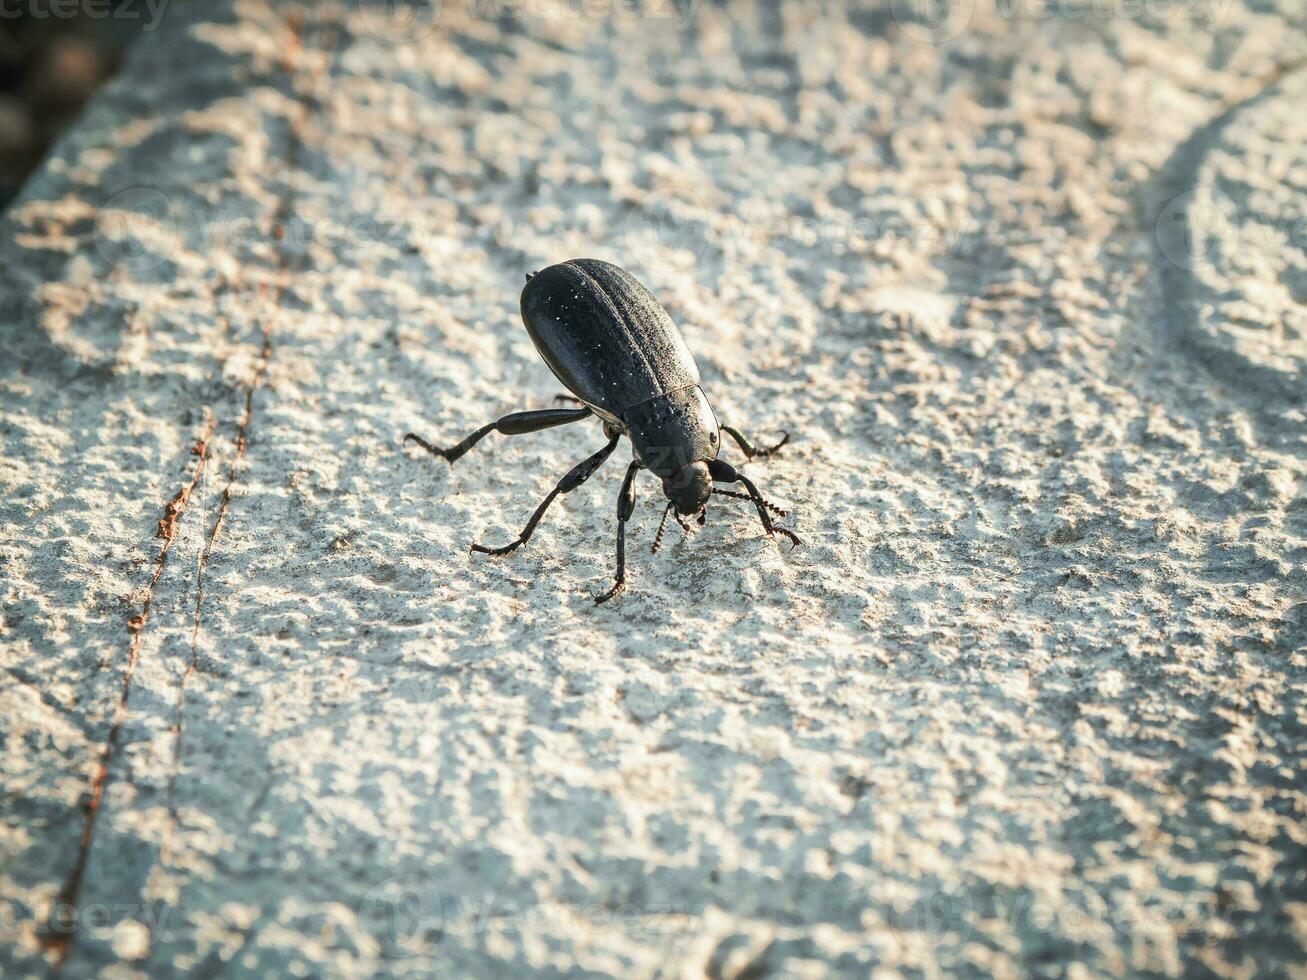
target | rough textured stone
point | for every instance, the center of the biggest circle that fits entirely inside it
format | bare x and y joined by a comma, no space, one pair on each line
1025,283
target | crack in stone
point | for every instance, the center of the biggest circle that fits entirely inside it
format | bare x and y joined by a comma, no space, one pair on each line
60,941
57,939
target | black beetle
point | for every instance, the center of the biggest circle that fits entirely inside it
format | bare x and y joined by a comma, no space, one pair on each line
615,348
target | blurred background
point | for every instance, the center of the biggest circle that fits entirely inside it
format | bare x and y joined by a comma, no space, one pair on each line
53,56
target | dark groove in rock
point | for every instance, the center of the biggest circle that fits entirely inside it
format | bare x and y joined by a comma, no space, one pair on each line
60,940
1178,176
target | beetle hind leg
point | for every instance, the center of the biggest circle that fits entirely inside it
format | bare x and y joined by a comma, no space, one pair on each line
454,452
516,424
749,449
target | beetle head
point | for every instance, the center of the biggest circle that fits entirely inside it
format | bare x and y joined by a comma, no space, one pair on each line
688,488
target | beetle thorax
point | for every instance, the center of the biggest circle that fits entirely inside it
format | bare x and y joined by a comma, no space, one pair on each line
672,431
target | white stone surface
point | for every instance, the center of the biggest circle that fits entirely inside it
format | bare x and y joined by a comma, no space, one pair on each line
1026,283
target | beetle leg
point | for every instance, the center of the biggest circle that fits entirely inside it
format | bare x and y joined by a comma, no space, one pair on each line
658,538
568,398
510,425
724,472
577,475
778,511
625,507
749,449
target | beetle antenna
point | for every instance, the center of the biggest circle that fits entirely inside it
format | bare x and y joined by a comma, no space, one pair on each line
778,511
658,538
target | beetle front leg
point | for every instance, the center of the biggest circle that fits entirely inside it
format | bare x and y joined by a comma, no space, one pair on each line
724,472
749,449
625,507
510,425
577,475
